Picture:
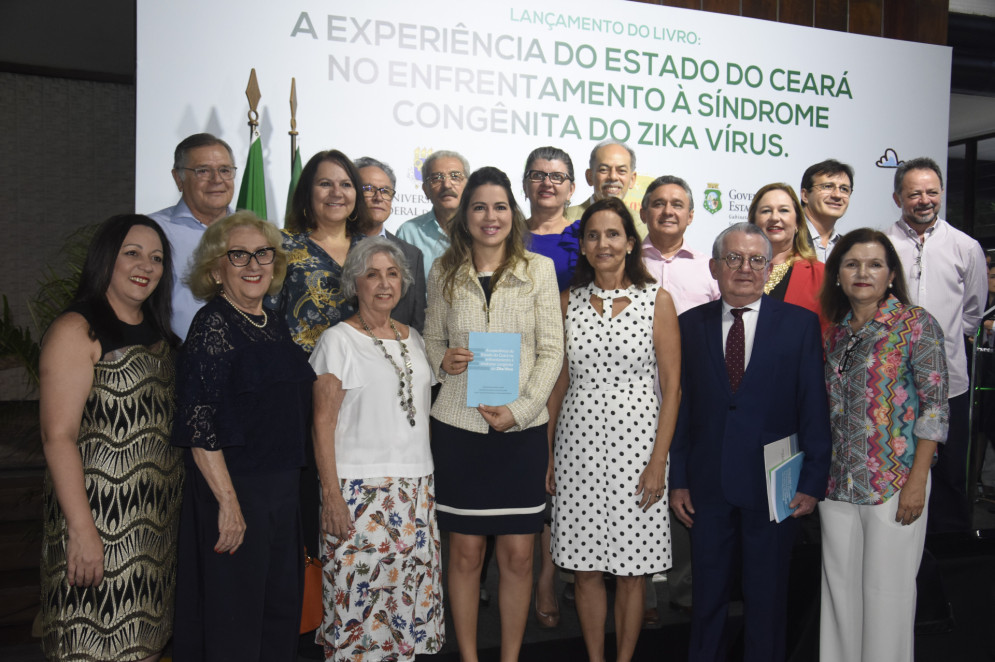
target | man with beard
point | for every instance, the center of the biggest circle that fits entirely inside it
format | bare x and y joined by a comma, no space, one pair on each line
443,176
945,272
611,171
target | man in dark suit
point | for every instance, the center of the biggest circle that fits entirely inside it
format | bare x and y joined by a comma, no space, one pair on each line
379,186
752,373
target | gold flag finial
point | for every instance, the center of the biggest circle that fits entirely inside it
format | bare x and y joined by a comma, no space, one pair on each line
253,95
293,106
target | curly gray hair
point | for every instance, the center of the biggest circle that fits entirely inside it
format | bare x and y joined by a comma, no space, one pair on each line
358,261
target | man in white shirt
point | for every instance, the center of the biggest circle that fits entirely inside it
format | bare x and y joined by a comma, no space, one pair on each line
204,172
946,275
668,210
611,171
825,192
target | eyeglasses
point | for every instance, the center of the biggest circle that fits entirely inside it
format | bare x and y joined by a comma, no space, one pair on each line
539,176
438,177
206,173
263,256
829,187
371,191
851,348
734,261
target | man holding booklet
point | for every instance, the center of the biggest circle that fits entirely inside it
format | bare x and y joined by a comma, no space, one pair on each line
752,376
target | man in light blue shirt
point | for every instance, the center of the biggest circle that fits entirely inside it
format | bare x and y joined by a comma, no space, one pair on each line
825,194
443,177
204,172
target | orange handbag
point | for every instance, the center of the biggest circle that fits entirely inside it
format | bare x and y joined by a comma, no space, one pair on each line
311,608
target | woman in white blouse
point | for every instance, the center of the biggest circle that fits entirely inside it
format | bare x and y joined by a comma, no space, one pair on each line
381,549
491,457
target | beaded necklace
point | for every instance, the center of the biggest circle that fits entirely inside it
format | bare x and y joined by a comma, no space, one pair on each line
244,314
405,376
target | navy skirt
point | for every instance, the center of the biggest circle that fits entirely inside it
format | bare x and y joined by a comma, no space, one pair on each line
492,483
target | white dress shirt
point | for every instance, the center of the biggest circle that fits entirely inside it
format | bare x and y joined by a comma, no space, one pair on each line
946,275
749,327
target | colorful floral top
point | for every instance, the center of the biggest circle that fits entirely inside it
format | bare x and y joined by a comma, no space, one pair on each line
887,388
311,299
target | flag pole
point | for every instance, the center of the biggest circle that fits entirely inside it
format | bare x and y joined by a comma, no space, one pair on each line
253,95
293,121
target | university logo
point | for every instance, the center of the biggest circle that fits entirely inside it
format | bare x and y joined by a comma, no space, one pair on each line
419,159
713,198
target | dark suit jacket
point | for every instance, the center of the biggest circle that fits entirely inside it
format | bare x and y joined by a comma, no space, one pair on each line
410,309
717,452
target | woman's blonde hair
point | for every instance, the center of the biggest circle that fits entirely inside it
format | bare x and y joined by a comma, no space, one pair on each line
213,246
460,251
802,248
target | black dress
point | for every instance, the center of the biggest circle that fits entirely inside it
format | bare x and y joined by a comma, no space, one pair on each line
244,389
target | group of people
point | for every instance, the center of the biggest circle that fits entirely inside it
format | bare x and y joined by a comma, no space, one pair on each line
223,398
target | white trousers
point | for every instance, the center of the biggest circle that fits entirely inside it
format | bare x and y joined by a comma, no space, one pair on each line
869,567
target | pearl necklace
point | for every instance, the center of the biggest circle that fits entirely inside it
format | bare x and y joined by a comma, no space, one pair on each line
405,376
244,314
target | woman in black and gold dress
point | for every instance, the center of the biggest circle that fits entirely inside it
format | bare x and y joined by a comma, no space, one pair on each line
112,490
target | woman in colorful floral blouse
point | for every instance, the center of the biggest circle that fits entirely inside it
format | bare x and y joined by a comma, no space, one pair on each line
886,374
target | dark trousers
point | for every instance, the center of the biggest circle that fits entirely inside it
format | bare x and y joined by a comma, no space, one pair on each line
949,506
246,606
722,537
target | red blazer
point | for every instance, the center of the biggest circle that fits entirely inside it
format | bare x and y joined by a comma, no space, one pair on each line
803,288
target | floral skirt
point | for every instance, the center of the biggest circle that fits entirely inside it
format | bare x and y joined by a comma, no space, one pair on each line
382,586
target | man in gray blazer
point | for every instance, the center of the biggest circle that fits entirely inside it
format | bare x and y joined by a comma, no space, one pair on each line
379,186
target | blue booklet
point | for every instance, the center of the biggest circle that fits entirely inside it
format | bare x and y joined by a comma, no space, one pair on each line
492,375
784,485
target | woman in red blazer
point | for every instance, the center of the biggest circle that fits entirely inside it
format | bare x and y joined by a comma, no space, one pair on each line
797,274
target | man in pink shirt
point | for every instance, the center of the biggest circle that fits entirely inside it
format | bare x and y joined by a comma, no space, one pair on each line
667,211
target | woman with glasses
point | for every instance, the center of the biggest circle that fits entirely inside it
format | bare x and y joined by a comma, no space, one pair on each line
491,459
796,274
113,482
886,374
327,213
243,394
549,182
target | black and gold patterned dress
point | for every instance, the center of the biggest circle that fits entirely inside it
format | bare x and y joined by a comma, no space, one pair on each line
133,479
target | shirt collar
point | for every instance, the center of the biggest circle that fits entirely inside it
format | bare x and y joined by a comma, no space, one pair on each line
754,306
888,310
653,252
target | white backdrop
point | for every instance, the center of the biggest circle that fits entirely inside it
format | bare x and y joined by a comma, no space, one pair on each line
728,103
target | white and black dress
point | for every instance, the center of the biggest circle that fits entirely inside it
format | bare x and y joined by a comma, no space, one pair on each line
604,439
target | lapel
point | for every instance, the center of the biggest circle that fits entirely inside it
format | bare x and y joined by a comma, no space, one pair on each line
712,329
764,342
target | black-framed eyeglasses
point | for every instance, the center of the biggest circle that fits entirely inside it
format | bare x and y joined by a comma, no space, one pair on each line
538,176
370,191
734,261
438,177
829,187
206,173
851,349
240,258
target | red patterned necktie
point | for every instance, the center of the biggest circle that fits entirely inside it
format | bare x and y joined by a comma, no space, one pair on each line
736,349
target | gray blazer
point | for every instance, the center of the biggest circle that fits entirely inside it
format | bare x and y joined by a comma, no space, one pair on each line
410,309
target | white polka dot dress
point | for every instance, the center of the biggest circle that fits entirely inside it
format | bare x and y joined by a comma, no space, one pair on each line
604,438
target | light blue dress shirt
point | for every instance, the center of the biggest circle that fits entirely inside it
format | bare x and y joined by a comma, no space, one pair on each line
184,232
424,233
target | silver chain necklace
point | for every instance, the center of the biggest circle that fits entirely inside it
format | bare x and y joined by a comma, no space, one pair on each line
405,376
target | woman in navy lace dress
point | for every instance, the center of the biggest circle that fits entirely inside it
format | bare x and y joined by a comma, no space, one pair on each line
243,394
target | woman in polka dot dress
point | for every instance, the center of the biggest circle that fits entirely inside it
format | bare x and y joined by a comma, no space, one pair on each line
612,435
